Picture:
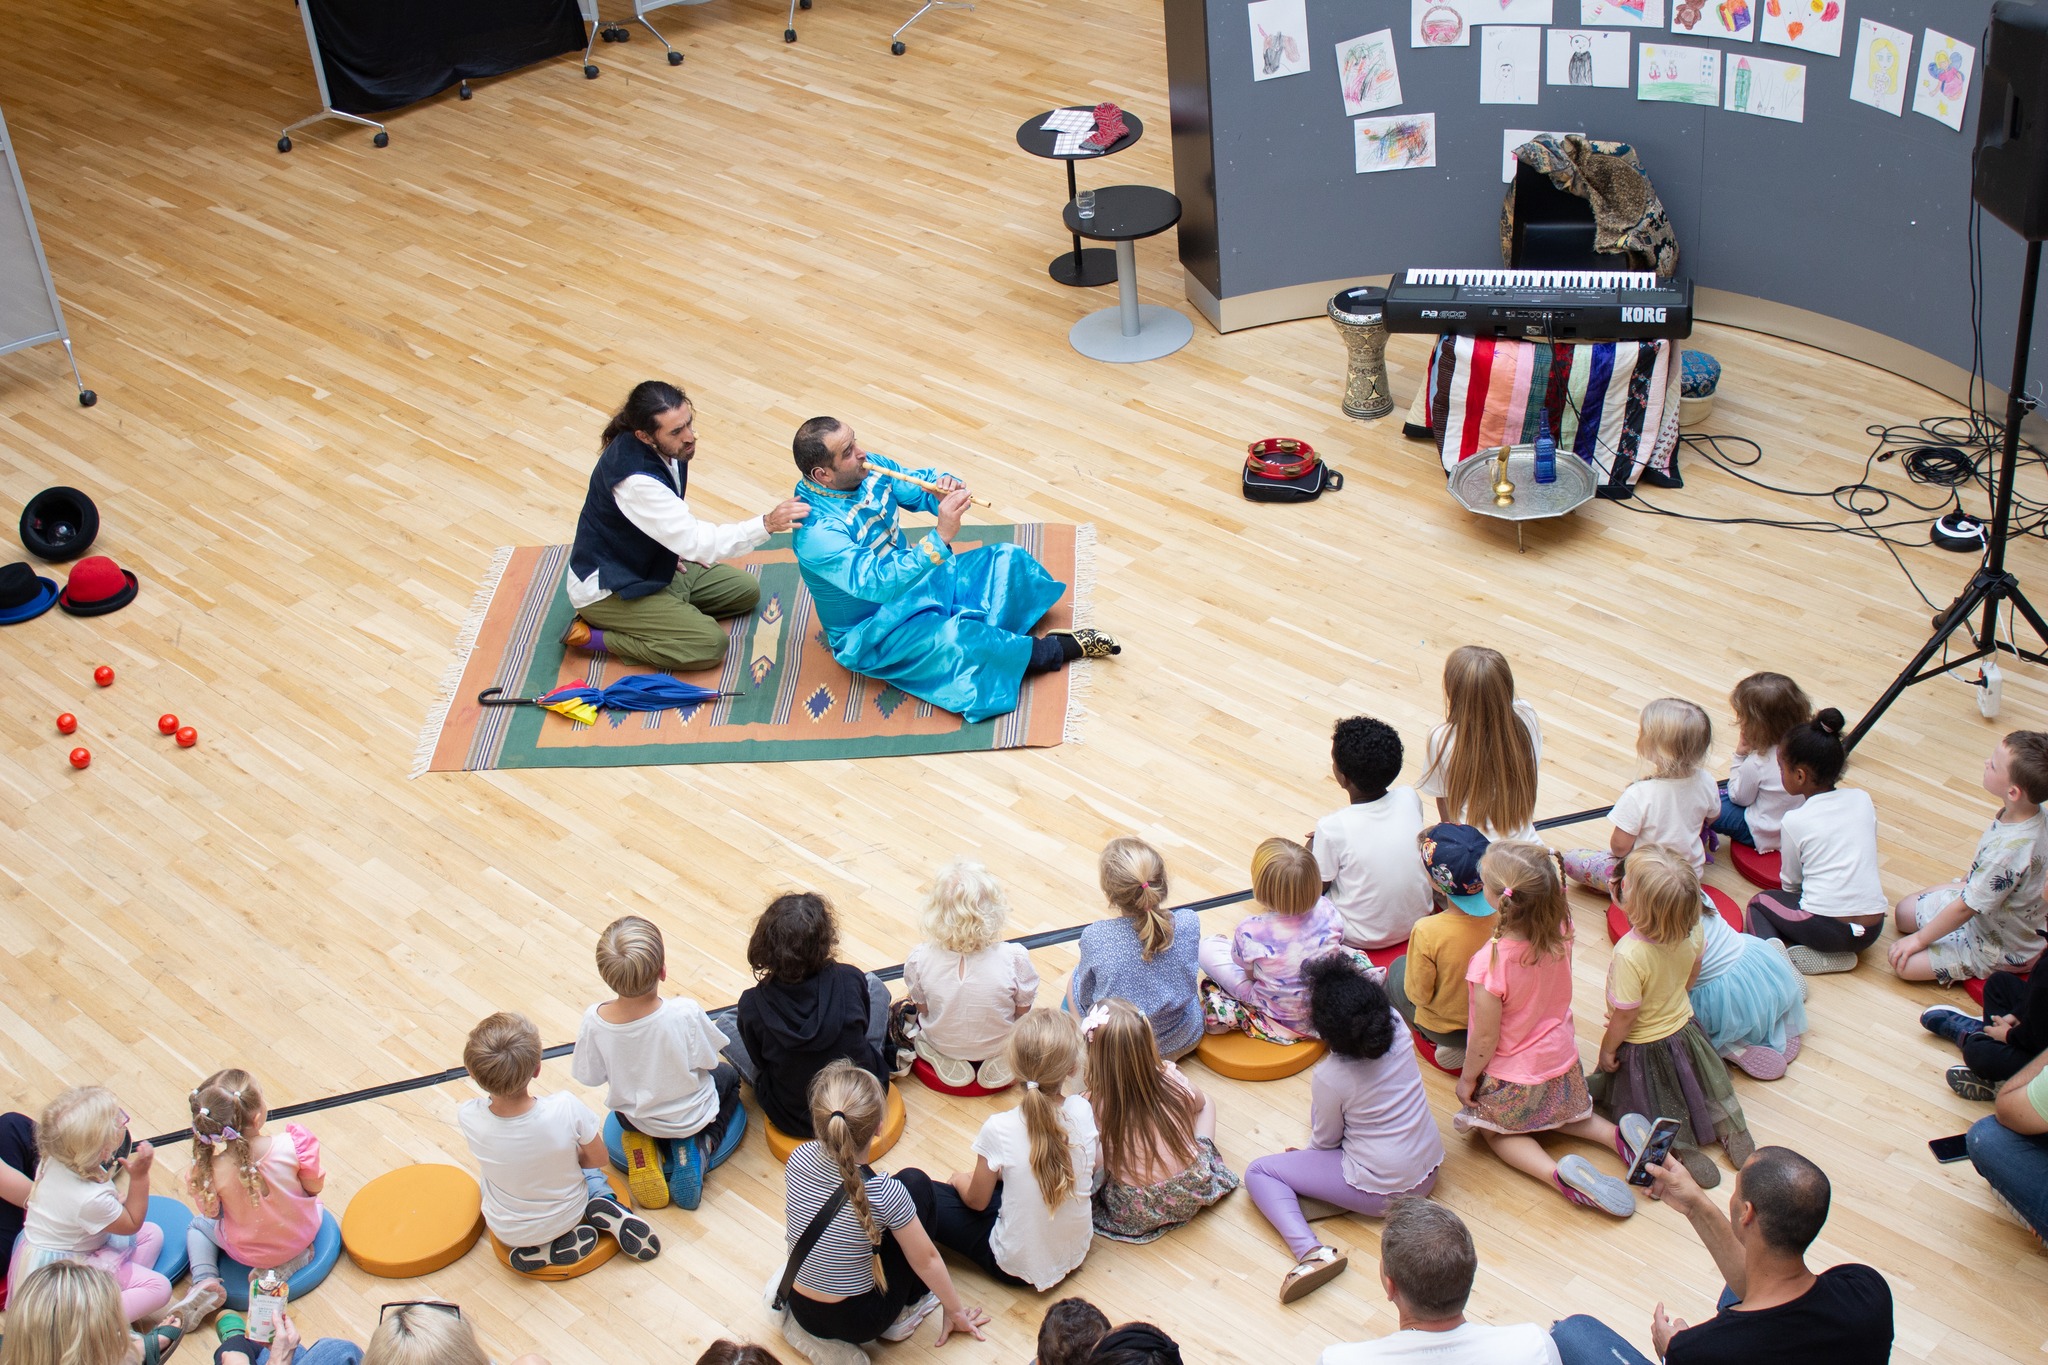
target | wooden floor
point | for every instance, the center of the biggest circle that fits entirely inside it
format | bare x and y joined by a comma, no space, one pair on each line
334,382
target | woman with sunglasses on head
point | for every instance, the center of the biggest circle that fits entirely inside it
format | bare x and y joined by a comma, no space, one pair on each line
418,1332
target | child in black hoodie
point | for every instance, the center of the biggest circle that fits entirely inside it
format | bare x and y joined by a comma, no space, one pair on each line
806,1012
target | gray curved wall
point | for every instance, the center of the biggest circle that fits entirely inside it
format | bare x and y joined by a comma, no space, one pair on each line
1854,215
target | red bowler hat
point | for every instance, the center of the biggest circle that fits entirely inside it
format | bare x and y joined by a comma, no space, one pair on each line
97,586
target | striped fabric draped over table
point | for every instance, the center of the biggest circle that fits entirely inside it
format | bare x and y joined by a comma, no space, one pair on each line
1614,404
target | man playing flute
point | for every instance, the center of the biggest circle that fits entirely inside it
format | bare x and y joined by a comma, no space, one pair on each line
949,629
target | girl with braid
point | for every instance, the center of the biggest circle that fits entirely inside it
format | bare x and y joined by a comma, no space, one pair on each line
258,1196
1022,1214
873,1272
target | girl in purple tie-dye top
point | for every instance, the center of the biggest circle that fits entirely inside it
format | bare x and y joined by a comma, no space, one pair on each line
1255,975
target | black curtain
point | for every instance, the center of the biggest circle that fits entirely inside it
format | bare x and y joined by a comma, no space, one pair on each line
380,54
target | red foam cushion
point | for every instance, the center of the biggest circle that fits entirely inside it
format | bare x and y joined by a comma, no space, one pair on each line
1426,1050
1382,957
922,1069
1976,988
1758,869
1617,919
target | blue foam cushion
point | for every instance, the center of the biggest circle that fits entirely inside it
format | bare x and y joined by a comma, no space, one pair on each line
615,1140
234,1276
1699,374
174,1219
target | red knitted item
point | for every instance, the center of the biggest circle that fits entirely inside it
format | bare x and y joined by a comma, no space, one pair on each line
1109,125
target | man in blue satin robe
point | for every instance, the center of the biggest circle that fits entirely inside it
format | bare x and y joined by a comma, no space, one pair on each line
949,629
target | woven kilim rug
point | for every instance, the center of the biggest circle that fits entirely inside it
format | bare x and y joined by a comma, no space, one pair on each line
796,702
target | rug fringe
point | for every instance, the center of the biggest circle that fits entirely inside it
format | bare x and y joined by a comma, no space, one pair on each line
465,645
1081,673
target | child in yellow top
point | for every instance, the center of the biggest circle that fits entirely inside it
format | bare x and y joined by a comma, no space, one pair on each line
1654,1059
1427,983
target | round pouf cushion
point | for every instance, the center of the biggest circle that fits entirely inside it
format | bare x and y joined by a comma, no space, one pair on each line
413,1221
234,1276
782,1145
1617,918
174,1220
606,1246
1245,1058
1758,869
1975,987
1699,379
924,1072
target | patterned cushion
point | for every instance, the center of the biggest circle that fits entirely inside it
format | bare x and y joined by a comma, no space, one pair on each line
1699,375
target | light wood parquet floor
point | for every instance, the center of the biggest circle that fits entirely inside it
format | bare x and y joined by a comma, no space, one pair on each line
333,382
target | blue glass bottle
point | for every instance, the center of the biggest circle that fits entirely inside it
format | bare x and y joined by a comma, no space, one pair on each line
1546,450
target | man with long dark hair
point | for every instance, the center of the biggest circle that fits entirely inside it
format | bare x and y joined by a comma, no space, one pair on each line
644,574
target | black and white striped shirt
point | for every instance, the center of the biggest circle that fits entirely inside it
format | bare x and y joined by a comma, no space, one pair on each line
839,1263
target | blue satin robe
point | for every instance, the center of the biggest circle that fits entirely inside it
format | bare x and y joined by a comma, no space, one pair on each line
947,629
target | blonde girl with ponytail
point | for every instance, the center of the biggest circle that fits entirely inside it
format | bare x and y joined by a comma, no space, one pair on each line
1022,1214
873,1271
1148,955
258,1196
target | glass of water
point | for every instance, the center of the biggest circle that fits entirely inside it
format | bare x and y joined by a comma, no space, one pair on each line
1084,204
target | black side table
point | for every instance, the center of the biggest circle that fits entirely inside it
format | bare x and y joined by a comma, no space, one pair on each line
1130,331
1077,267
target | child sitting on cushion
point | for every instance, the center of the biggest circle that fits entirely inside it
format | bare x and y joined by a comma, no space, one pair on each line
968,986
672,1094
258,1195
1366,851
1991,921
1427,983
1148,955
541,1159
806,1011
1256,983
1767,706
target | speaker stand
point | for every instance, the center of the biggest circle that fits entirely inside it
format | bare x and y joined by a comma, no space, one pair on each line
1992,583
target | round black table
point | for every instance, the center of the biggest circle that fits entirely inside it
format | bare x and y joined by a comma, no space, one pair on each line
1130,331
1077,267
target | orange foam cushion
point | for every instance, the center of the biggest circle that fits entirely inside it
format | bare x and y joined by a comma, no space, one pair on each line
606,1247
782,1145
1245,1058
413,1221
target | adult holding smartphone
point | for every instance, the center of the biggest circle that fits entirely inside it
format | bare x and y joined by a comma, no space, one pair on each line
1775,1310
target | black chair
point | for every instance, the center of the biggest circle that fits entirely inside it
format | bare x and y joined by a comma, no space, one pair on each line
1554,230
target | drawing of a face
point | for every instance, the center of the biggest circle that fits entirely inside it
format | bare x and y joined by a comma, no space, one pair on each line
1581,43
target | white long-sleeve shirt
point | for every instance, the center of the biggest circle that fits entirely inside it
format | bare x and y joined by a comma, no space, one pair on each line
658,509
1756,784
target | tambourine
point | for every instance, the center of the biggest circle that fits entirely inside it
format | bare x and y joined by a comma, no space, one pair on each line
1280,457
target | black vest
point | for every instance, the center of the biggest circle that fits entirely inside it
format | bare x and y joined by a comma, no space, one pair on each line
626,560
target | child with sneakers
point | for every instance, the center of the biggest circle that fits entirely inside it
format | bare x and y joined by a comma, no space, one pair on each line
671,1095
1766,706
1831,904
1427,983
1654,1058
541,1159
2013,1031
1522,1078
1673,806
968,987
1749,999
258,1197
1366,851
1990,921
1256,983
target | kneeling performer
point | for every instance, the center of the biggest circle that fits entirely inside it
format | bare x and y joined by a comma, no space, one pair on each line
947,629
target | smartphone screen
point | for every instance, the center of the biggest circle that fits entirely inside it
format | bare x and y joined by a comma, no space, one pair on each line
1662,1135
1950,1148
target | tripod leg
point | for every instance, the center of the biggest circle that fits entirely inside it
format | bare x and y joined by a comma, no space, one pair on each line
1981,589
2032,617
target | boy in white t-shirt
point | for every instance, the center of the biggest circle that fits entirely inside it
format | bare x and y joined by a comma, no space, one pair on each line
541,1160
1366,852
673,1100
1992,920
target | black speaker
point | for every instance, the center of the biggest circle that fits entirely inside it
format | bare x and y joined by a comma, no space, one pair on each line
2012,120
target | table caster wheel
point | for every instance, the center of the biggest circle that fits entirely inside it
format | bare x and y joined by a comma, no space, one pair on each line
381,140
284,144
86,398
789,35
803,4
896,48
464,92
675,59
589,73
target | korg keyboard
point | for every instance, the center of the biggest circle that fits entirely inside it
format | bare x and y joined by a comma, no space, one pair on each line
1534,305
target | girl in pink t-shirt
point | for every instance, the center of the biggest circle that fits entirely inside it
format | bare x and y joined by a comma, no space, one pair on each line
258,1196
1522,1076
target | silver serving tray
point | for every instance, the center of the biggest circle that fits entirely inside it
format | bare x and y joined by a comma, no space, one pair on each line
1472,484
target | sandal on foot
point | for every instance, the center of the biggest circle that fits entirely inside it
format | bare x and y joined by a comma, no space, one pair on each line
635,1236
159,1341
644,1176
571,1248
1582,1184
1311,1273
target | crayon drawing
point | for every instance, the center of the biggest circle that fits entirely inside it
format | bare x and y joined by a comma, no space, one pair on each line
1678,75
1811,25
1367,74
1580,56
1884,64
1942,88
1440,23
1279,38
1621,13
1734,19
1511,12
1510,64
1401,142
1768,89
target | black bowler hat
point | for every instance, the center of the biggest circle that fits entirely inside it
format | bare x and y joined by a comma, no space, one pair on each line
59,524
23,595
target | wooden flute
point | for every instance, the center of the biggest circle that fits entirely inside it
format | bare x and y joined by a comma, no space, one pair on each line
925,484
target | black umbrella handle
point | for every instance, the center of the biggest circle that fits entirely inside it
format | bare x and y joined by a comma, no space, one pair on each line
490,696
